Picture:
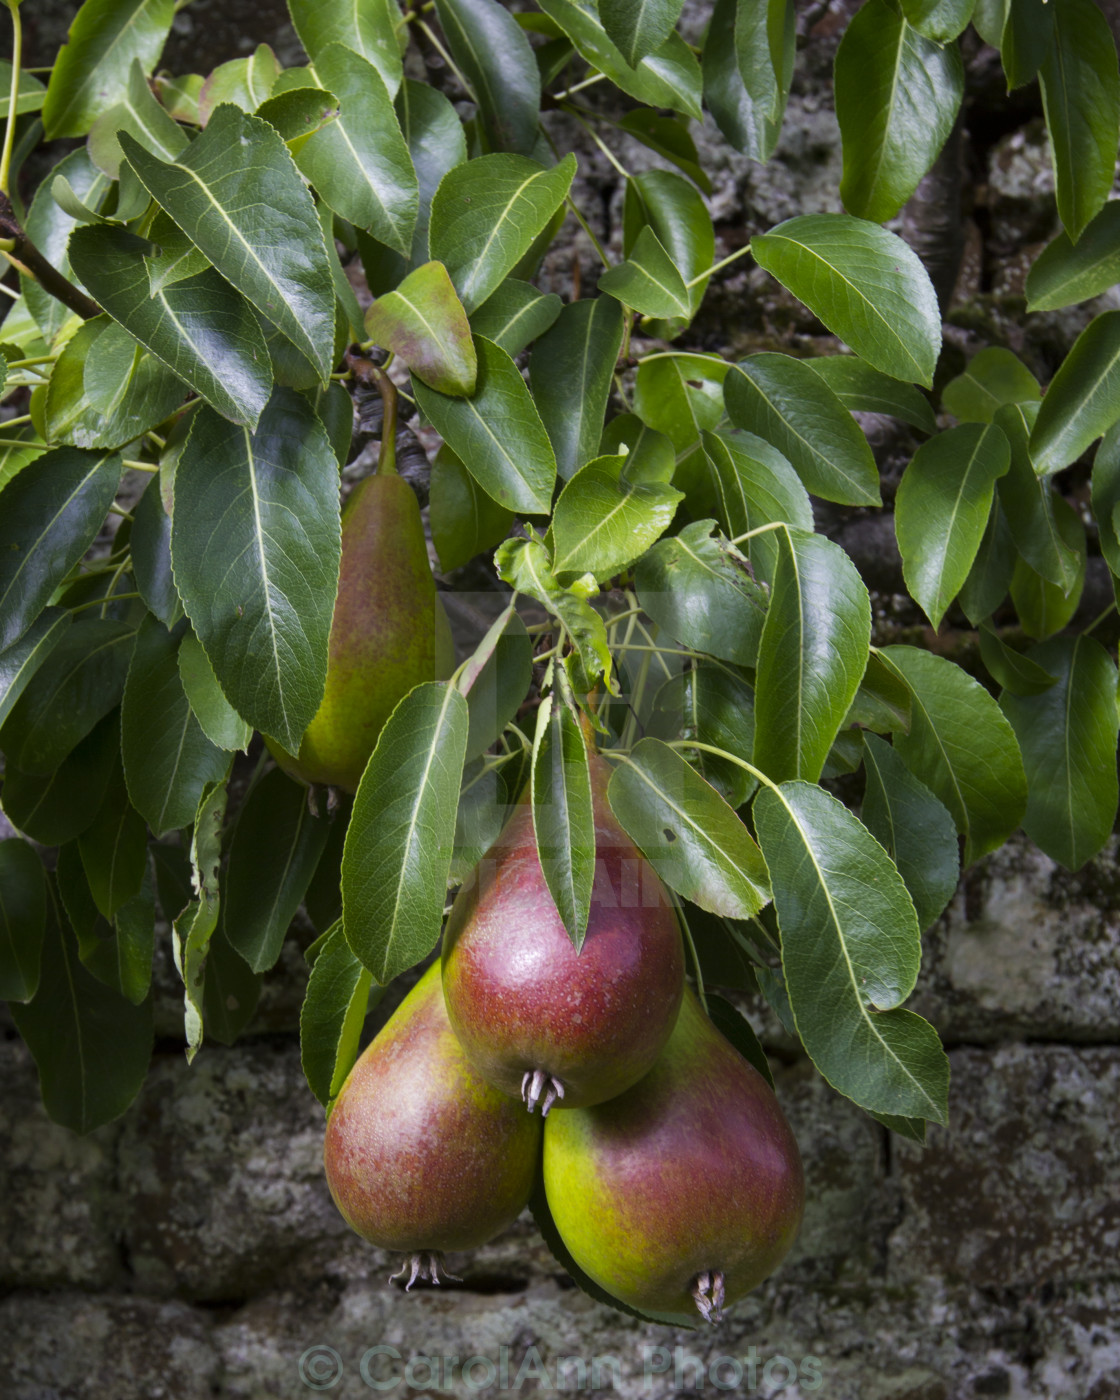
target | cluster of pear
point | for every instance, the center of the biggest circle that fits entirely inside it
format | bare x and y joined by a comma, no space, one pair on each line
669,1170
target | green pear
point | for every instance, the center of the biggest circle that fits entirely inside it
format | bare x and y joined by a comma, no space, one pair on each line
684,1193
535,1017
389,633
421,1155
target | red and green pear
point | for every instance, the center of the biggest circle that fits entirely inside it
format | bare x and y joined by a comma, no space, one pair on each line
389,633
684,1193
421,1154
536,1018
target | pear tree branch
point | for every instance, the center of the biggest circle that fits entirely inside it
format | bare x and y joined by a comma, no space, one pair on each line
24,254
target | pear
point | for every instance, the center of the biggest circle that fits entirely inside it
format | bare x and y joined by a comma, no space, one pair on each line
388,633
421,1155
684,1193
536,1018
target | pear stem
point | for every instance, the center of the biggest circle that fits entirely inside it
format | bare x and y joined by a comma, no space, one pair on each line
425,1266
387,452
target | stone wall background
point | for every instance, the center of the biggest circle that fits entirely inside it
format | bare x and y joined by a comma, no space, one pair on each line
191,1249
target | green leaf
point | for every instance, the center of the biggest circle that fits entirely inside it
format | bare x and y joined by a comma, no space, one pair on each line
783,401
638,27
134,941
91,71
70,204
525,566
196,925
497,60
180,95
668,77
962,747
144,118
486,214
230,991
515,314
1081,99
897,97
360,164
399,842
49,228
333,1013
1044,607
755,486
709,703
990,577
811,656
942,508
168,760
851,950
864,283
913,827
670,138
106,390
993,378
1029,504
77,685
114,851
29,96
571,373
1083,400
1106,495
436,142
91,1045
23,919
1027,34
680,397
1068,737
229,206
335,410
150,544
256,545
1010,669
423,323
370,29
217,718
688,833
662,201
21,660
199,327
648,281
55,809
649,454
563,819
603,521
940,20
297,114
275,848
696,586
497,433
748,62
1065,272
243,82
496,680
14,458
49,516
465,521
862,389
486,802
